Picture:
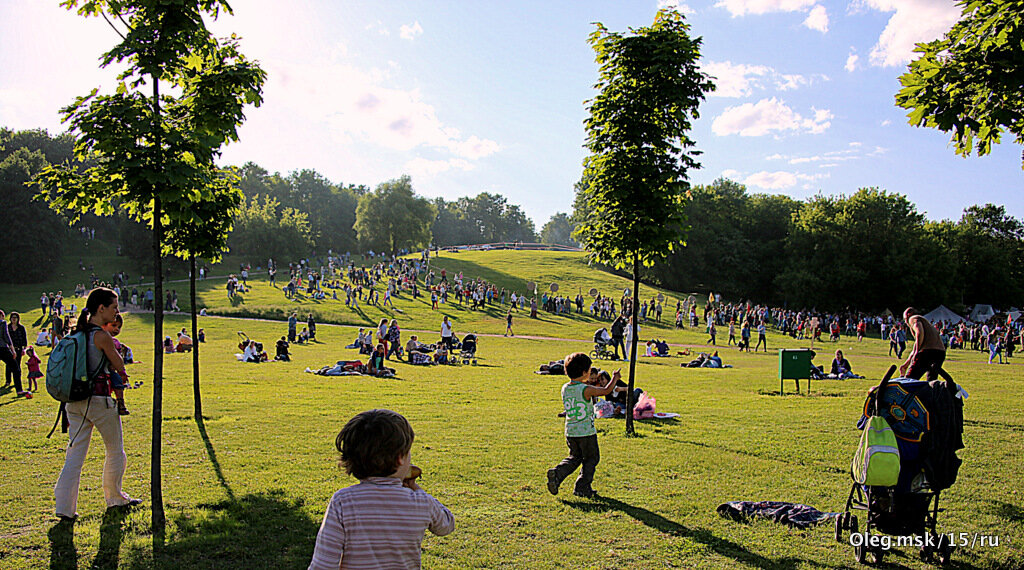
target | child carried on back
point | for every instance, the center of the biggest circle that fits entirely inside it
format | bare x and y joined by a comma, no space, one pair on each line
117,384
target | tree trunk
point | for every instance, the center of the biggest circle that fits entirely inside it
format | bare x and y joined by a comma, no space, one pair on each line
155,486
632,345
195,341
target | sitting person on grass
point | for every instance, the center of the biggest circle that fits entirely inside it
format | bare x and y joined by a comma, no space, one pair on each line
184,343
281,350
375,366
841,368
168,345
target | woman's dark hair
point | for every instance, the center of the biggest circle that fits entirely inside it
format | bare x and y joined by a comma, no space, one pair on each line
14,315
100,296
373,442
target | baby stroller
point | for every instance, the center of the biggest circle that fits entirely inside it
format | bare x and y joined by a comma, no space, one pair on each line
602,344
467,352
926,423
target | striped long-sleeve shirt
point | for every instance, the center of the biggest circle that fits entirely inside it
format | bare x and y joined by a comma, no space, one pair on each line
378,523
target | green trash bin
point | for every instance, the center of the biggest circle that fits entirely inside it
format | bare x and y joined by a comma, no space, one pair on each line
795,364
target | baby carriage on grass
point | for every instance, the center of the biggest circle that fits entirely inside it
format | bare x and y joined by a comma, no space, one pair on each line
602,345
907,457
467,352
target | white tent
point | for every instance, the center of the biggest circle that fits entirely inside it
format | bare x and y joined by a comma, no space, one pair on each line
982,313
941,313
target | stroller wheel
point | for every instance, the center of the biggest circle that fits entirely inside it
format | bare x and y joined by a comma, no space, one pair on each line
860,554
839,526
945,553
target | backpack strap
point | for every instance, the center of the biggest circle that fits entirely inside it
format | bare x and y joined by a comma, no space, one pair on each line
62,419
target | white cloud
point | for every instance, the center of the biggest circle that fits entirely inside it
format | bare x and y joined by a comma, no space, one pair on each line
744,7
851,62
680,7
378,27
913,22
817,19
409,32
772,180
731,174
740,80
766,116
420,167
735,80
886,123
781,179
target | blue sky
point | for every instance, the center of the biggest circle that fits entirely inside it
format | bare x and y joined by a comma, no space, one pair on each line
469,96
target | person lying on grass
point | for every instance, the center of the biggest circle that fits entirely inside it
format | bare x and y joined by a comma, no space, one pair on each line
379,522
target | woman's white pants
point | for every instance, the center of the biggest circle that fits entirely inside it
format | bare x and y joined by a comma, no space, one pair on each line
99,412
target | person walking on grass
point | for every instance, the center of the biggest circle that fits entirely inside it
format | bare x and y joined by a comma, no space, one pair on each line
98,411
508,323
578,398
762,337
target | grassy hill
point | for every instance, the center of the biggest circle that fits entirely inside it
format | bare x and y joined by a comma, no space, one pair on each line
247,486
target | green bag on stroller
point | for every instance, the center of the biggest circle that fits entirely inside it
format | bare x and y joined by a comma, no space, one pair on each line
877,460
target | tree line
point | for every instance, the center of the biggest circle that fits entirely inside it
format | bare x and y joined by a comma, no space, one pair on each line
869,250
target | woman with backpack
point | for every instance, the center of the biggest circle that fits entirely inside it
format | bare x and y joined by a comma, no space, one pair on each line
98,410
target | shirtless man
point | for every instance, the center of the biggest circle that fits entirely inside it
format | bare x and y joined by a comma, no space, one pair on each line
929,353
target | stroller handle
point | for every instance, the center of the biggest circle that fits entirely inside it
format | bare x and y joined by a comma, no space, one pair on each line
881,387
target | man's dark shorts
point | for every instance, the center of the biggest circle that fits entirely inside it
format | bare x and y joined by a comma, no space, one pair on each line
926,361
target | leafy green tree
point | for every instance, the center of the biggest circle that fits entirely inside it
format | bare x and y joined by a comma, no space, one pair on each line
202,231
149,153
649,89
868,251
490,218
970,81
34,235
450,226
392,218
558,231
264,228
987,246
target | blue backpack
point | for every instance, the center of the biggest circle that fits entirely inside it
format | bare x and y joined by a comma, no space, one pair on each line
67,373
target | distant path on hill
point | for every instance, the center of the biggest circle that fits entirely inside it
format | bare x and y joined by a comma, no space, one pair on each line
698,347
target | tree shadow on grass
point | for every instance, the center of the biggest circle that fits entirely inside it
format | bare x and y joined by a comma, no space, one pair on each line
719,545
1008,511
258,530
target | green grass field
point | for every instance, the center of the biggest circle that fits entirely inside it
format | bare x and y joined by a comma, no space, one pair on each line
247,486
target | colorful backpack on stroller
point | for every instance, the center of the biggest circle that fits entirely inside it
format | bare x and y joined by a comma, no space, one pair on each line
877,460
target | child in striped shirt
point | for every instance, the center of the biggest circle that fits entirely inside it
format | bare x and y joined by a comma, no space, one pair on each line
379,522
